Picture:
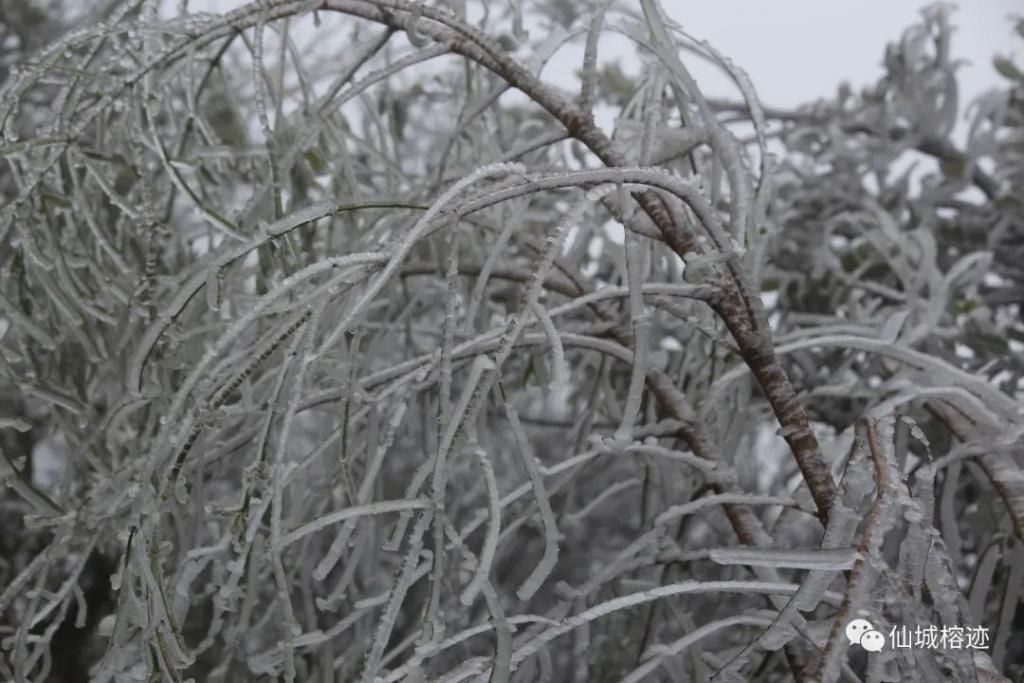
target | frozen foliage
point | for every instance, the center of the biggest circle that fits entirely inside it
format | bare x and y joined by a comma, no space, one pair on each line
315,306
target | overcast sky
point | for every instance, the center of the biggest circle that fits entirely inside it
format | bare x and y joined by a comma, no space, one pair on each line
798,50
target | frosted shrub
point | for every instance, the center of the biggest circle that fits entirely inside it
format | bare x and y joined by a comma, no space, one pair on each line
365,353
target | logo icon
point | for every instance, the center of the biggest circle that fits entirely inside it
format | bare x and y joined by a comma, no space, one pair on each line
861,632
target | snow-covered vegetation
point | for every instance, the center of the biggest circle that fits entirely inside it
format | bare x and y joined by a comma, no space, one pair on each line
338,344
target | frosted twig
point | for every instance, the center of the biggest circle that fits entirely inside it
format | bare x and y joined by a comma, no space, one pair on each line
493,530
548,560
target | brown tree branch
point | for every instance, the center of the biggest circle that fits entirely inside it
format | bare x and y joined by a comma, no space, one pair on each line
740,307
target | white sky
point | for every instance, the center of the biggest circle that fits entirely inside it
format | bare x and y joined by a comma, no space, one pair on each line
798,50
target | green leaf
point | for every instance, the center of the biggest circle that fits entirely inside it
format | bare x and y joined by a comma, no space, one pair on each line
315,161
965,305
528,372
55,199
952,168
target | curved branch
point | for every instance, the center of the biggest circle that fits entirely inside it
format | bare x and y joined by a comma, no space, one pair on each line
738,306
